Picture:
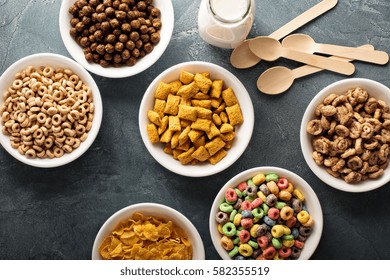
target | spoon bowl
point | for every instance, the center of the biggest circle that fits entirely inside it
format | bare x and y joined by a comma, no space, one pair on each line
267,48
301,42
275,80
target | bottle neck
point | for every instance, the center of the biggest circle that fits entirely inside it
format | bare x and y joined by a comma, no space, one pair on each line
229,11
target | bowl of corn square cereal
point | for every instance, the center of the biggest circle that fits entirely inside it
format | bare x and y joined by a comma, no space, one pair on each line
196,119
345,135
51,110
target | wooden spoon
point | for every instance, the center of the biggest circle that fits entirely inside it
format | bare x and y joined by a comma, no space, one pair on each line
242,57
271,49
278,79
305,43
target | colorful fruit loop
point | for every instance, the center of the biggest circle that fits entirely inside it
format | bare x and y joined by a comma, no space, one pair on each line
146,238
264,218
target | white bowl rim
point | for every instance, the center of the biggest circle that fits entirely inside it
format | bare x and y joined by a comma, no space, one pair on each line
126,71
233,154
314,239
127,211
305,138
21,64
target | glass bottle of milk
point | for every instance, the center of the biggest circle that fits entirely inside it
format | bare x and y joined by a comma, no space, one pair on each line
225,23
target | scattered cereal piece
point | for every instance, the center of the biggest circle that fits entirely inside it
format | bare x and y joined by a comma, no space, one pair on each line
215,145
186,77
152,133
234,114
172,106
162,91
202,82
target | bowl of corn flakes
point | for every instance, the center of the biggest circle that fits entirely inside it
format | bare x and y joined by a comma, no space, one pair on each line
148,231
196,119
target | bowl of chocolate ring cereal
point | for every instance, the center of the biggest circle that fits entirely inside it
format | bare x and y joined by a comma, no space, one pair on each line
345,135
51,110
116,39
196,118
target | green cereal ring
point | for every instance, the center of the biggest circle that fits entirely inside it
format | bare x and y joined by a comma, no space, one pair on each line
288,237
226,207
229,229
238,192
258,213
272,177
276,243
233,252
250,182
280,204
265,208
232,215
253,244
236,240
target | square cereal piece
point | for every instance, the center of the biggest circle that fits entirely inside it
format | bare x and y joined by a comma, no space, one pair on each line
166,136
201,103
186,157
221,108
201,96
234,114
175,85
176,153
185,101
201,154
215,145
183,137
188,91
159,107
185,123
168,149
216,102
226,127
152,133
154,117
202,82
164,125
174,123
172,106
206,74
175,140
201,124
187,113
162,90
229,97
216,89
186,77
201,141
203,113
214,131
217,157
185,146
195,134
229,136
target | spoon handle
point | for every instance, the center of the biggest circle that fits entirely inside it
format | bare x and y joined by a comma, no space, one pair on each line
308,70
377,57
337,66
304,18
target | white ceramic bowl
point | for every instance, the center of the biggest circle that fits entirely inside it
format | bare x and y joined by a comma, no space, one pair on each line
243,131
76,51
311,201
53,60
374,89
151,209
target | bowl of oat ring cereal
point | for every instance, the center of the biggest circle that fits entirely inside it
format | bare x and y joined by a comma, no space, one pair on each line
51,110
116,39
196,119
345,135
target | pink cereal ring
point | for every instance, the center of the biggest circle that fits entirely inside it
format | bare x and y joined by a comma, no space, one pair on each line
262,241
230,195
242,186
282,183
269,253
291,222
284,252
244,236
273,213
246,205
256,202
299,244
246,223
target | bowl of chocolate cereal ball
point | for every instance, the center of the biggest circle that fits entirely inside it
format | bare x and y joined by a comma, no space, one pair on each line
266,213
345,135
148,231
51,110
113,38
196,119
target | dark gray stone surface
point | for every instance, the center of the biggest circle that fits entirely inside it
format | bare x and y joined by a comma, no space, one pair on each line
56,213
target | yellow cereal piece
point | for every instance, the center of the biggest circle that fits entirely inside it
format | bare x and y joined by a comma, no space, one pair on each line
201,103
154,117
226,127
202,82
183,137
201,96
213,132
176,153
201,154
174,123
228,145
229,97
216,89
186,157
162,90
185,123
166,136
159,107
188,113
288,243
258,179
215,103
220,109
201,141
215,145
172,106
297,194
271,185
184,146
234,114
206,74
195,134
186,77
175,140
188,91
204,113
152,133
216,119
175,85
228,136
164,125
168,149
261,195
218,157
201,124
185,101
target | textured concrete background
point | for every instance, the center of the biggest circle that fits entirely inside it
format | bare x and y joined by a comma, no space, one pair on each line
56,213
